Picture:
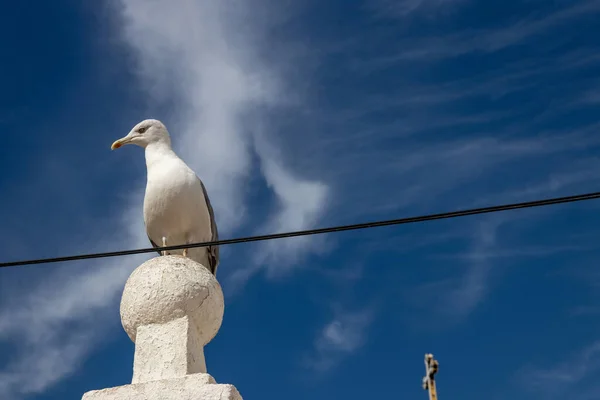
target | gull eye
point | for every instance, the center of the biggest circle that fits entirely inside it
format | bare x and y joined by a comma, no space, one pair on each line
142,130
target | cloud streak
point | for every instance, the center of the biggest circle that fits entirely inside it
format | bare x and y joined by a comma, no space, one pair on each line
485,40
196,60
458,296
223,91
569,375
343,335
406,148
63,319
404,8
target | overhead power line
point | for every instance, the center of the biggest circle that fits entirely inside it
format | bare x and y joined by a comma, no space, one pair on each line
308,232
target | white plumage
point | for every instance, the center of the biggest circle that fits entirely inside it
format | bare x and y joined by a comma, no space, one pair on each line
177,209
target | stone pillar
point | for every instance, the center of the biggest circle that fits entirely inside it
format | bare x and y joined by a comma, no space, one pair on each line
171,308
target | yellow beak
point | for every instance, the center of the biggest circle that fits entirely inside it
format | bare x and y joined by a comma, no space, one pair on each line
117,144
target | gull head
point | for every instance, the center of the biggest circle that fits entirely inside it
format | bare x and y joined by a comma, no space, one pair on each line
145,133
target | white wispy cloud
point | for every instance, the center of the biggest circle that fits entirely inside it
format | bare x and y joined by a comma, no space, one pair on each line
590,97
486,40
193,56
568,378
343,335
221,87
39,368
460,295
403,8
574,177
494,240
300,203
204,57
58,322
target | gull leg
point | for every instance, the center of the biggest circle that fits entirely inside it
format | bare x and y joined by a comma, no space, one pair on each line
187,241
164,240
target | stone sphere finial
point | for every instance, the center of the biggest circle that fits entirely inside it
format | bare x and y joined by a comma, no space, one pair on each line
167,288
171,308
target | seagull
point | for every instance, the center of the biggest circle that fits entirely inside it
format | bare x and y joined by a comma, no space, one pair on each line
177,209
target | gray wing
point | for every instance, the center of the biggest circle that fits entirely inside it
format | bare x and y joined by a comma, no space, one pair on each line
213,251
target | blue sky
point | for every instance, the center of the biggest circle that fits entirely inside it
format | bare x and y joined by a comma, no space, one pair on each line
299,115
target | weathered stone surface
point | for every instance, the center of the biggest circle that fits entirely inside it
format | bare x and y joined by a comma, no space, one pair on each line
167,288
167,351
171,308
191,387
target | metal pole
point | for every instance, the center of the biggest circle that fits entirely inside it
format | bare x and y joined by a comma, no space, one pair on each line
431,368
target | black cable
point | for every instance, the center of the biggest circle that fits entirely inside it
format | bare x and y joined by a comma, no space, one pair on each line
408,220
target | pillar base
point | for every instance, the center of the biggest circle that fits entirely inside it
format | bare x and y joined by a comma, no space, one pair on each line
191,387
